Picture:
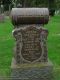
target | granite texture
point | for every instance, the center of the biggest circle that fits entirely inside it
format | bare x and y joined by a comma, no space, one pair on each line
30,60
31,44
29,16
36,71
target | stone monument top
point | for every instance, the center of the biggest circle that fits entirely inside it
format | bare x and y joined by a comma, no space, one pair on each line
30,16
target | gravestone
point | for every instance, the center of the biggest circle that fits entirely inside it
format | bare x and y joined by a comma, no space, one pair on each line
30,61
2,17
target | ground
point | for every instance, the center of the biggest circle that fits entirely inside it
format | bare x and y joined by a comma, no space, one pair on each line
7,44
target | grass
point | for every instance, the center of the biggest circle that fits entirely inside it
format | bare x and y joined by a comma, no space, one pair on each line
6,46
7,43
54,40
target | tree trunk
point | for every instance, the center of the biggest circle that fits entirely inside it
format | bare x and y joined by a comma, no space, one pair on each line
24,3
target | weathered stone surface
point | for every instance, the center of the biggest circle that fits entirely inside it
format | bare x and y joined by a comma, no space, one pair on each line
30,57
37,71
30,44
29,16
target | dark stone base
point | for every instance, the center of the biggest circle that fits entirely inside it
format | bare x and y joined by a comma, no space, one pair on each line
33,71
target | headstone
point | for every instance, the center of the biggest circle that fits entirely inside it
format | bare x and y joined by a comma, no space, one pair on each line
30,61
2,17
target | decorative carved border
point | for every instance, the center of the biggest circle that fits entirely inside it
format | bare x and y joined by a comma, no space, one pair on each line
18,36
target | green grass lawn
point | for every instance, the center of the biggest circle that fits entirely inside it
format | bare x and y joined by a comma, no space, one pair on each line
7,44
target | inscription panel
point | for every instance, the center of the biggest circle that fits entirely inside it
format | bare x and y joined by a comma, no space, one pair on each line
31,49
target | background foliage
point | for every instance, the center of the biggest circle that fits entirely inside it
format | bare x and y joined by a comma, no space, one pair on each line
31,3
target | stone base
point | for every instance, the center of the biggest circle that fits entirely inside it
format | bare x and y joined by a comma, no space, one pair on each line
32,71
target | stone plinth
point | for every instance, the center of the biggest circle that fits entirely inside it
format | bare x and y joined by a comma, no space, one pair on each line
36,71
